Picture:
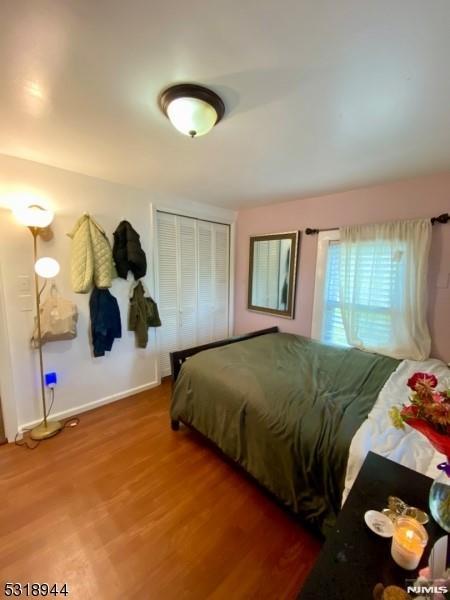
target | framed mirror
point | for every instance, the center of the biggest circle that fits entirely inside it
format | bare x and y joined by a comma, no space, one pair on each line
272,273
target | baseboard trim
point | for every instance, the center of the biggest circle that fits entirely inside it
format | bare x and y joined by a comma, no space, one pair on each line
81,408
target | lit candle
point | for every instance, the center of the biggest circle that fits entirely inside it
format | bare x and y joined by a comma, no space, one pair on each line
408,543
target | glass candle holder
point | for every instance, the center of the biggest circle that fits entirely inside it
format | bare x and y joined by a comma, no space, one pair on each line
408,543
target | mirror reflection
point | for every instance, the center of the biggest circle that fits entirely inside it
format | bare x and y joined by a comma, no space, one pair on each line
270,285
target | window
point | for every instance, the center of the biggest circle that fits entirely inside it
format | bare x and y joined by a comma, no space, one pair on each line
373,297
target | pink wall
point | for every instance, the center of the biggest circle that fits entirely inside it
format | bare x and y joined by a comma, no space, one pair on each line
413,198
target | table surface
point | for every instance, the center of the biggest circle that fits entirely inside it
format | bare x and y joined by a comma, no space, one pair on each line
353,559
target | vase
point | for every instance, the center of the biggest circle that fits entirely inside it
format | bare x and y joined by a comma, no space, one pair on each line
439,500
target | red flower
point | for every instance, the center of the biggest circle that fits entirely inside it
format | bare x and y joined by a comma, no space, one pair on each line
422,380
409,412
428,413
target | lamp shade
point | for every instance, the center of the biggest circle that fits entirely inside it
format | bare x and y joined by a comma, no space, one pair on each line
33,215
191,116
47,267
192,109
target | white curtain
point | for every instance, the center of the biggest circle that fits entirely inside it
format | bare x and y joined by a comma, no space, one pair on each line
383,287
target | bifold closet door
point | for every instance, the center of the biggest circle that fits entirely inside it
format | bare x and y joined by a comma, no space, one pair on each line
221,280
213,281
167,236
187,282
206,296
193,273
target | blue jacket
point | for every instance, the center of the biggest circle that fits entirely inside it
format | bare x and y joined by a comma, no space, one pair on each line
105,320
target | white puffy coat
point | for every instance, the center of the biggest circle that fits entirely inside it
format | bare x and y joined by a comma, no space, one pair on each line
91,256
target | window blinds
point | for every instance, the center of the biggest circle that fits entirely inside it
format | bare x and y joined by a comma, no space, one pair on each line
374,284
333,328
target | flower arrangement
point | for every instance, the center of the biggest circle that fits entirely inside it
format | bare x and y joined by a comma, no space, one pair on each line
428,413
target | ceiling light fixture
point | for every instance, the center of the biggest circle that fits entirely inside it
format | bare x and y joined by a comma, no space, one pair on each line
192,109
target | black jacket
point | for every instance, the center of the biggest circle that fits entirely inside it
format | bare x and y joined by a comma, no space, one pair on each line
105,320
127,252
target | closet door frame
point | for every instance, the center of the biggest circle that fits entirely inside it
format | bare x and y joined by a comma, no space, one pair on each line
184,208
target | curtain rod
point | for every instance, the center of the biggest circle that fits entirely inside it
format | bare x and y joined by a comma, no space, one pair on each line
444,218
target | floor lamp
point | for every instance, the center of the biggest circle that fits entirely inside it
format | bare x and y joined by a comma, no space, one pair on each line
38,219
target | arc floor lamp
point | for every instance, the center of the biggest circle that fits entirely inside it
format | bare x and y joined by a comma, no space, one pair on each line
38,220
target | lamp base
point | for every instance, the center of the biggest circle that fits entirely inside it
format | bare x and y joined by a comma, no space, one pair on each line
42,431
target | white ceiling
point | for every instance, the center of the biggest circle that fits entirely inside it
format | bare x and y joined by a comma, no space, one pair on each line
321,95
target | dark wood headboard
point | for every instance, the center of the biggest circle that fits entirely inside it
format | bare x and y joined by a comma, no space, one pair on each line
177,358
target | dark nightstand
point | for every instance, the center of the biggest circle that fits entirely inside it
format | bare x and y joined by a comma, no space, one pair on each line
353,559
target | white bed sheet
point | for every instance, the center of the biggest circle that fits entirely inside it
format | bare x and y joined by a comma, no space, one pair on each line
407,447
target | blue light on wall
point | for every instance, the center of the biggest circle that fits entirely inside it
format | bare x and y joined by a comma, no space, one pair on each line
51,379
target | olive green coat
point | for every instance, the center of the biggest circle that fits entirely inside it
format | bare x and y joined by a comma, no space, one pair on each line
142,315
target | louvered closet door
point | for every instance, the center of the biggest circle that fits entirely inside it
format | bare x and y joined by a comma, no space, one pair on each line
168,288
187,303
221,253
193,273
206,297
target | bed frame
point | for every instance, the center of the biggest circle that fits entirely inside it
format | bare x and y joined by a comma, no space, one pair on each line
177,358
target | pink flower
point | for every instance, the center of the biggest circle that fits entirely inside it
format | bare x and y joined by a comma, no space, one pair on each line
438,397
425,573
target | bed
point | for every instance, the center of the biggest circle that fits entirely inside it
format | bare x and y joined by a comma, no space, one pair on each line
285,408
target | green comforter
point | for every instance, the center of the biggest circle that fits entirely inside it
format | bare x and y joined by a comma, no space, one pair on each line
285,408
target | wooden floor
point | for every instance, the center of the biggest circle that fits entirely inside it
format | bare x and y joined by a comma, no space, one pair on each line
123,507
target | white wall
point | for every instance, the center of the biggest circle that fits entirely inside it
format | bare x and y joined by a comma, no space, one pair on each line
83,379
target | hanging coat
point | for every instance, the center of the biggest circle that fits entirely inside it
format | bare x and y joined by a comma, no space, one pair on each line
105,320
91,256
143,314
128,253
